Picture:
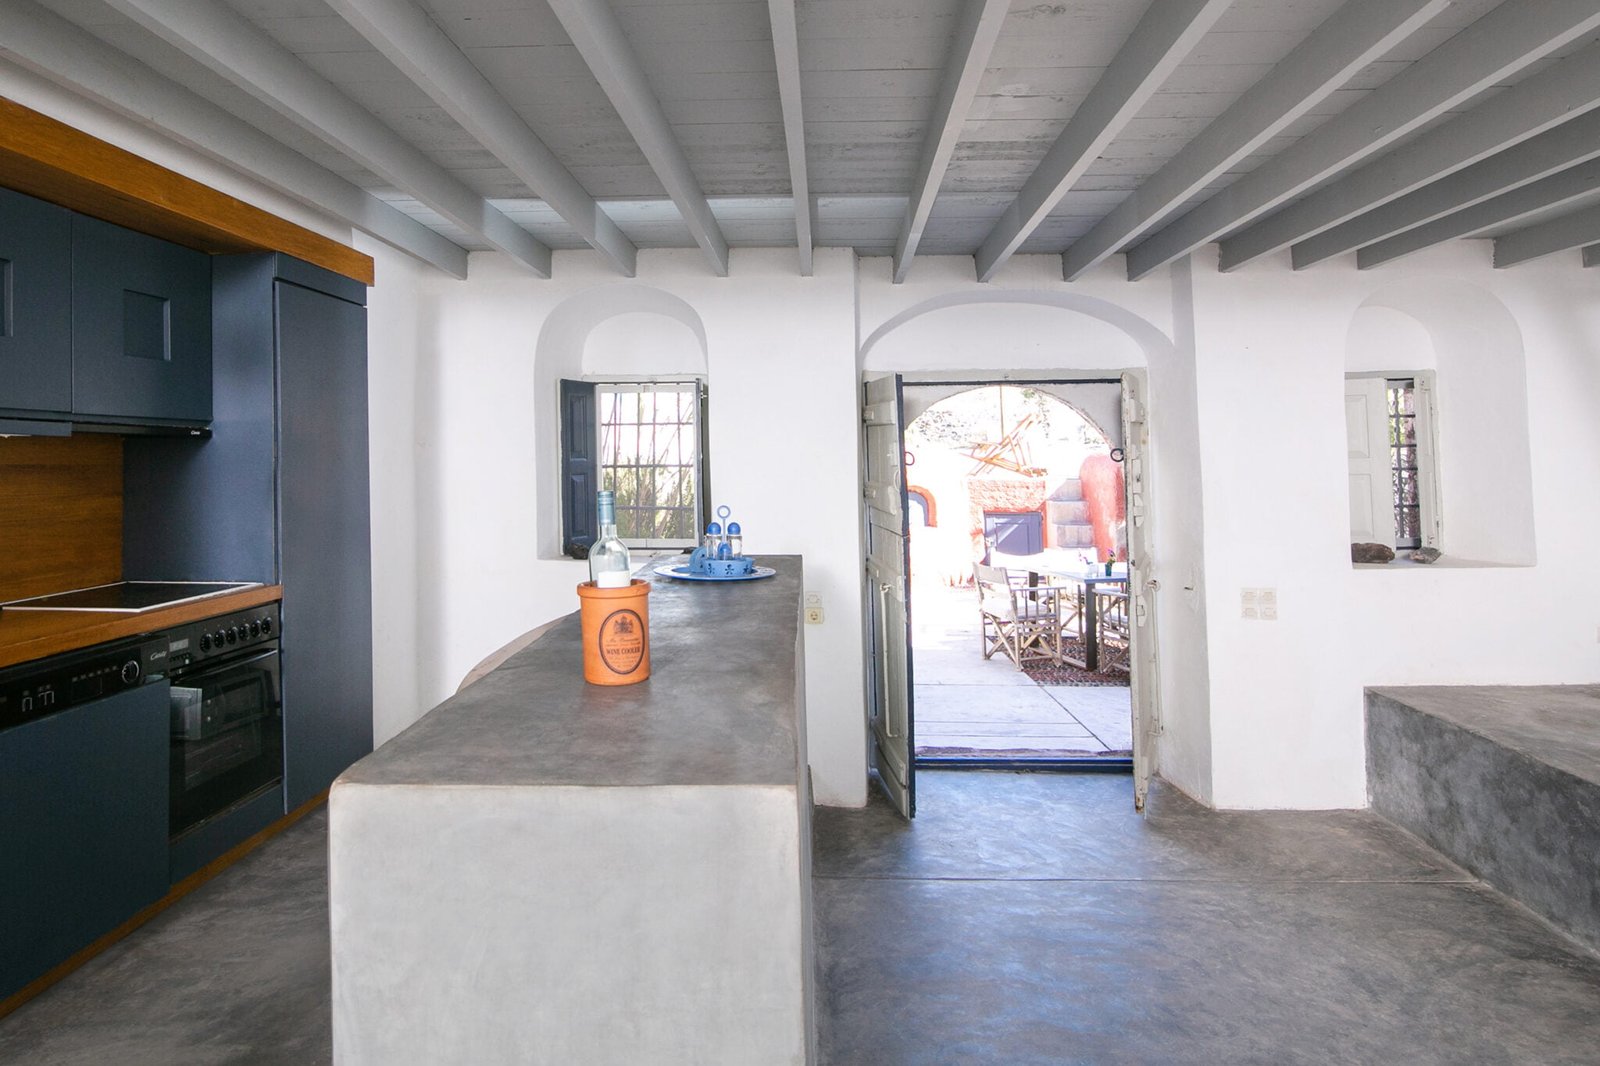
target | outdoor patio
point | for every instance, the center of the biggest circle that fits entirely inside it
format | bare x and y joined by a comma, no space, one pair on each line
968,706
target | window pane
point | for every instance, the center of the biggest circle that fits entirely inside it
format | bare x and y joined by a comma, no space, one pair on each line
648,457
1408,431
1407,489
1406,458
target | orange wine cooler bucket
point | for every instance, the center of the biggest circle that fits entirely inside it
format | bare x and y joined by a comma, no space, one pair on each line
616,633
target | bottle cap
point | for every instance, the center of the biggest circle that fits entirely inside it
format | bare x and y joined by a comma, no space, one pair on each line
714,528
733,529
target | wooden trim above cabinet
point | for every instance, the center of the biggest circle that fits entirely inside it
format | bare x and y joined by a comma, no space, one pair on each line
53,161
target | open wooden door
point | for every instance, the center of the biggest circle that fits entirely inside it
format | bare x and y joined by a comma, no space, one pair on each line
1143,661
888,591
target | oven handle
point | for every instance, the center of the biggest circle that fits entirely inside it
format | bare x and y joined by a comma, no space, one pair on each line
211,666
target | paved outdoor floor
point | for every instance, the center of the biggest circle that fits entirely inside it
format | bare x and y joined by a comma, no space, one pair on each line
968,705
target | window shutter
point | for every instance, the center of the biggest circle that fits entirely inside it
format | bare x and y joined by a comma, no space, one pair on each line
580,469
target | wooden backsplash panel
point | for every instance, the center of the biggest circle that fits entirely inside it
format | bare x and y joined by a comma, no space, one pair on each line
60,513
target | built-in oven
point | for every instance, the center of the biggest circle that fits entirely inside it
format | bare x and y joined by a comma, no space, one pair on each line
227,715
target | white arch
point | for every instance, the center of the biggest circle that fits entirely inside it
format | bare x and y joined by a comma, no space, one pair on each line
558,353
1151,340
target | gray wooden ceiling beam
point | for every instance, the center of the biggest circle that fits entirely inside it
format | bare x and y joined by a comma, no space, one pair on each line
786,53
605,49
1558,190
1356,35
1166,34
1534,159
1539,103
970,49
49,45
1506,40
405,34
1591,255
1573,230
234,47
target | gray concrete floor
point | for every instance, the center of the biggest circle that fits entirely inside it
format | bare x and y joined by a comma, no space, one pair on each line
1023,919
1037,919
236,973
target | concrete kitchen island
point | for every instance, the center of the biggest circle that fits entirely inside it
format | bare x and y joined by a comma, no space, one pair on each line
546,871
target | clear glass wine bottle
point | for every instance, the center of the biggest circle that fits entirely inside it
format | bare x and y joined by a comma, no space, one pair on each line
609,565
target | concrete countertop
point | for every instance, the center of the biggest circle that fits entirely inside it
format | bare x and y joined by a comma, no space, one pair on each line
718,709
1554,724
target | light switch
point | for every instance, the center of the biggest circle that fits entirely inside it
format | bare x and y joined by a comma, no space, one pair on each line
813,599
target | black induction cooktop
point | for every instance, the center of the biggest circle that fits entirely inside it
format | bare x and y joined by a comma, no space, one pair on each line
128,597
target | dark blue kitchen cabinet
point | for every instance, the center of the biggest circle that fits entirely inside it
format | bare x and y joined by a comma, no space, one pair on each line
278,493
141,327
35,306
83,827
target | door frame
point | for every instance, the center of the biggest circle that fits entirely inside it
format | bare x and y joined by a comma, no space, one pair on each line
1143,648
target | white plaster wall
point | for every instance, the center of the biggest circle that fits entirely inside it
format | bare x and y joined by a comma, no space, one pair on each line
1183,747
1286,700
1248,478
394,365
780,357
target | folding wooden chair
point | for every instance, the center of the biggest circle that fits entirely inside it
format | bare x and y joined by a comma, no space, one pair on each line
1022,620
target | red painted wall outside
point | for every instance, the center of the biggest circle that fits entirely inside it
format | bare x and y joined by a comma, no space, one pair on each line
1102,491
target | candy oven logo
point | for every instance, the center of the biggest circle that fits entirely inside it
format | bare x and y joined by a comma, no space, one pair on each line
622,639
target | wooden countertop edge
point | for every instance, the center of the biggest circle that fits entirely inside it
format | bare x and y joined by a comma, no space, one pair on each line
63,631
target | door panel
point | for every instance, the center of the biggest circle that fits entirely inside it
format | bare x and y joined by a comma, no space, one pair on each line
325,538
1366,422
888,592
83,827
35,322
141,326
1143,658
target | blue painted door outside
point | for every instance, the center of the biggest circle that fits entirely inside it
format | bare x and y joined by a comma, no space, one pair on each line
1014,533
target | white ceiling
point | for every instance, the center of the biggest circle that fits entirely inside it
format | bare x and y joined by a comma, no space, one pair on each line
870,74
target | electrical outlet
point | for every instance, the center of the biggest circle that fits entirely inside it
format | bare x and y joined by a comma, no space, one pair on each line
813,616
1249,604
1267,601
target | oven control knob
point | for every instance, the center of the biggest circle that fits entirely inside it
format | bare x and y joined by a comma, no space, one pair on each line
233,635
205,641
220,639
266,625
255,629
130,671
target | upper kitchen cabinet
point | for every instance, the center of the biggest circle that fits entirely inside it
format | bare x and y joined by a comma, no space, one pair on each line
141,327
35,307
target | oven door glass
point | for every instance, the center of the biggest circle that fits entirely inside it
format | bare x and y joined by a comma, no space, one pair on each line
227,736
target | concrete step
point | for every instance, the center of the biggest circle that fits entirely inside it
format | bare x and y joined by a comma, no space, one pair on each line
1066,512
1072,535
1068,490
1504,781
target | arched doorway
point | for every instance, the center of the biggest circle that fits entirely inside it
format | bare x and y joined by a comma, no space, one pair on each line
1026,482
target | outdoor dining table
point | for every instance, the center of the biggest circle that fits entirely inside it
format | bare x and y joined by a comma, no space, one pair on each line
1091,609
1066,568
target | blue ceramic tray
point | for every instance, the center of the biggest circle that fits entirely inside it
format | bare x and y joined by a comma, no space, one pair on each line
682,572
